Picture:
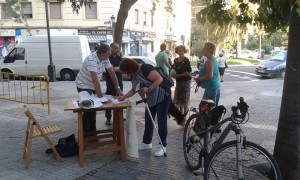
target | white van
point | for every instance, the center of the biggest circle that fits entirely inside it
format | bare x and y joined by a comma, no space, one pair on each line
31,56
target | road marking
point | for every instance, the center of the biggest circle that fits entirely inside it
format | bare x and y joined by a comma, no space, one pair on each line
243,72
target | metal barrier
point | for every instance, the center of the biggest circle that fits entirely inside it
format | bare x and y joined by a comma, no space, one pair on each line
28,89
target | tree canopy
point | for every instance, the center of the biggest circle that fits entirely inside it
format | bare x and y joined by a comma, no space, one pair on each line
273,15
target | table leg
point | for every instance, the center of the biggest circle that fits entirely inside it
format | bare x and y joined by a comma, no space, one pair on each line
80,139
121,138
115,125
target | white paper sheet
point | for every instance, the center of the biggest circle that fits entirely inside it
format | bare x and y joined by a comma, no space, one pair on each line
87,101
102,99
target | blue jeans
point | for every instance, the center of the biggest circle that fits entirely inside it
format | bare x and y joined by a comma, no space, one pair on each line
213,94
161,110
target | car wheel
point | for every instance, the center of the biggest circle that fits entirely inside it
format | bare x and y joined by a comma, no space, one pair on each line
282,73
6,76
67,75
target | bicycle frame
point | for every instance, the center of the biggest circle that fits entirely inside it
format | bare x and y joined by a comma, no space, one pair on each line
199,135
240,140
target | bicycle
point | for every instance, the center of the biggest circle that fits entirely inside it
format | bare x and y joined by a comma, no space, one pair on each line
237,159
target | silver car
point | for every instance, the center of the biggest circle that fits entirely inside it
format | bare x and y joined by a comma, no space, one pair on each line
274,67
140,59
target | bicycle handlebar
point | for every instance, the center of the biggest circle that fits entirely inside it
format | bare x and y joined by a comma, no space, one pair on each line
240,111
141,101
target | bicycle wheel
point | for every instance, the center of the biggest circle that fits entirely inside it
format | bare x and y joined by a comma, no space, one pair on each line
257,163
193,145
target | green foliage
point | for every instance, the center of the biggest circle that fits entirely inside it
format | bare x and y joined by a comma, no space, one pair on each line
13,9
76,4
214,13
271,14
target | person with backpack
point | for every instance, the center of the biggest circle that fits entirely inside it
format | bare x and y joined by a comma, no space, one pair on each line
146,80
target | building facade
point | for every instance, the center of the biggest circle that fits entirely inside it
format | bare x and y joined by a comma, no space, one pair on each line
143,33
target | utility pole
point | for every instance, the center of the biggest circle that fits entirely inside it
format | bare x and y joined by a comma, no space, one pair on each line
51,66
113,25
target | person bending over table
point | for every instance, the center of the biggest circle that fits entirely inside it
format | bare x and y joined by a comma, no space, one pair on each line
88,79
146,80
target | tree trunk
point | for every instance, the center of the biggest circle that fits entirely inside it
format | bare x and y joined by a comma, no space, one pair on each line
122,16
287,144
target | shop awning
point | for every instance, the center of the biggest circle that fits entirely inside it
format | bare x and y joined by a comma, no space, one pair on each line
126,39
96,39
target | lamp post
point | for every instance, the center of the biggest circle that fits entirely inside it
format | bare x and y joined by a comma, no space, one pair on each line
113,23
51,66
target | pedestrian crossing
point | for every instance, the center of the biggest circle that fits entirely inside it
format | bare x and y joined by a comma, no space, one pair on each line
240,75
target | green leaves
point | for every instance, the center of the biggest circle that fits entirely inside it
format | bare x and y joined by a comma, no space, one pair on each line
215,13
76,4
271,14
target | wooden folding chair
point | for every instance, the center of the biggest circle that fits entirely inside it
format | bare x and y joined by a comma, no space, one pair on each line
34,130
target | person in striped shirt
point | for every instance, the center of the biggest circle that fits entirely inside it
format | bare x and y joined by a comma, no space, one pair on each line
88,79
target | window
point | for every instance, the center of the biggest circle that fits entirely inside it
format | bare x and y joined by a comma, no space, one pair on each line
55,10
27,10
91,11
145,19
136,16
15,54
152,20
3,14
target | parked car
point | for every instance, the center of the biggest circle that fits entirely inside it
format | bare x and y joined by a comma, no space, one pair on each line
139,59
274,67
247,54
142,59
230,55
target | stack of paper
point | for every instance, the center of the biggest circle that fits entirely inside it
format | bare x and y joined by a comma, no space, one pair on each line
87,101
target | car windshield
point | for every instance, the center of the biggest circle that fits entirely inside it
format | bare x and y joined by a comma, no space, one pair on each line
278,57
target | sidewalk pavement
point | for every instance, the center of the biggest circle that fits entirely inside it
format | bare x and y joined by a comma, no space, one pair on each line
262,96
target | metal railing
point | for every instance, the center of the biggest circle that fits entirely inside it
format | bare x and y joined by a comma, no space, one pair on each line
28,89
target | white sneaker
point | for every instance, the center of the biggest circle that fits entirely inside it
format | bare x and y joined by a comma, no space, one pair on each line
160,151
142,145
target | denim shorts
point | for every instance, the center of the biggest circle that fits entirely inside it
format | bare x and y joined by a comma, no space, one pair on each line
213,94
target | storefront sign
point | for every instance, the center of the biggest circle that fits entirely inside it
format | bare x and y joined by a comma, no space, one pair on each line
7,32
92,32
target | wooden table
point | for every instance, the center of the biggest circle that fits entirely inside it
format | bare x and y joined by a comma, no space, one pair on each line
108,140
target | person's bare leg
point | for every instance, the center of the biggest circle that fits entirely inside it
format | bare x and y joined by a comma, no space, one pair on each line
186,109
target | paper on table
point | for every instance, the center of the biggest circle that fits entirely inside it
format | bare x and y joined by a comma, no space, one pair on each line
87,101
102,99
96,104
75,104
116,101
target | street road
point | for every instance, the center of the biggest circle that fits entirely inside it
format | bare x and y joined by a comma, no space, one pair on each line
241,73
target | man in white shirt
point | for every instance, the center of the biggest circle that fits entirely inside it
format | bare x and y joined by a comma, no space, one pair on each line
88,79
4,51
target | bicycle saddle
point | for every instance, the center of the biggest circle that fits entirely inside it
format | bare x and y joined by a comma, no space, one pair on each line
208,102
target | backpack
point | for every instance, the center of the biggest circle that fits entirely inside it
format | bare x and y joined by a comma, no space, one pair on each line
66,147
167,80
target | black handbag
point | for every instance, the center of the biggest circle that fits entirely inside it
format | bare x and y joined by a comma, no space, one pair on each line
226,66
66,147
